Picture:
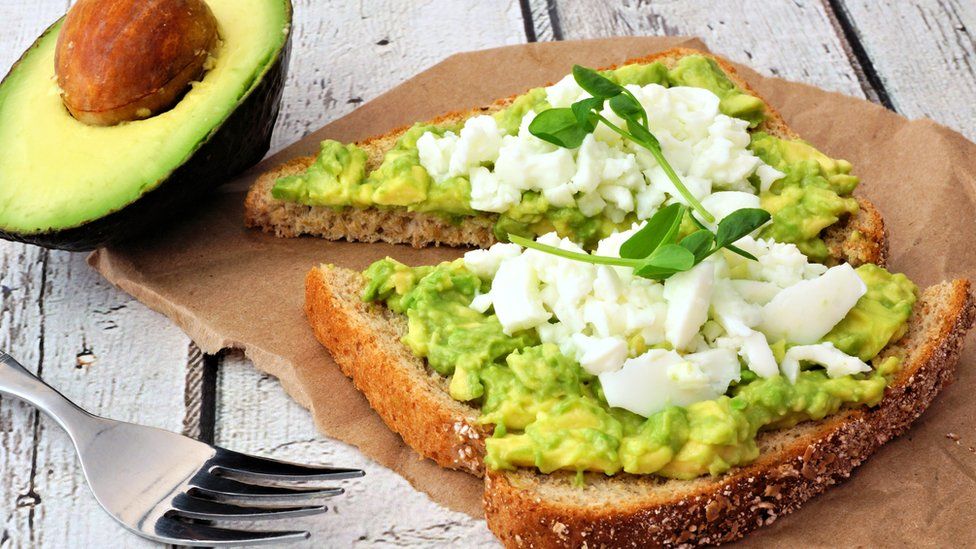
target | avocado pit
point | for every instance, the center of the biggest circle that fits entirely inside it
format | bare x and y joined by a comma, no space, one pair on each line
124,60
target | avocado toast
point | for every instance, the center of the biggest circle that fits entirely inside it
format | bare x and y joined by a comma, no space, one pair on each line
526,508
571,460
406,224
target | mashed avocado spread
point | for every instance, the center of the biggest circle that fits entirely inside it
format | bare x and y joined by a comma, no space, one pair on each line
550,414
814,194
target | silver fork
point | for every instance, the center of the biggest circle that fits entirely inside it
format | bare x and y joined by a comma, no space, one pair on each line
167,487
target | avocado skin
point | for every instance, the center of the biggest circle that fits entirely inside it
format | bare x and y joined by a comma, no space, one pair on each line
238,143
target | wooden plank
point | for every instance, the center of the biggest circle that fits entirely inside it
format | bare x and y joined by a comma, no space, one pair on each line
113,357
924,52
256,416
345,53
793,40
23,21
21,284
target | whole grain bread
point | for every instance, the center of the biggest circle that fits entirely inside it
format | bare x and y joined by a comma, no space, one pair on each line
528,509
398,226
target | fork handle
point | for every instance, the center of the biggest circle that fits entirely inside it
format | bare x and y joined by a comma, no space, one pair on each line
17,381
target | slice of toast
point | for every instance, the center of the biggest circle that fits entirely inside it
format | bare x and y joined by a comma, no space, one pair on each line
399,226
528,509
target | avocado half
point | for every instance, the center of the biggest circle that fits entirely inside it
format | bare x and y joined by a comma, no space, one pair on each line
68,185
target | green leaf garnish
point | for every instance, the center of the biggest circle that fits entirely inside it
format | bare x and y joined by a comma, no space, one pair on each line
741,252
595,83
738,224
585,258
660,229
559,127
626,106
699,243
665,261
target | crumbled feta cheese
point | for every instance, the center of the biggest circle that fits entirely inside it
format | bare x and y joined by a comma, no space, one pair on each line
720,366
481,303
435,153
564,93
525,162
731,311
781,264
767,176
490,196
755,291
603,315
723,203
757,354
785,265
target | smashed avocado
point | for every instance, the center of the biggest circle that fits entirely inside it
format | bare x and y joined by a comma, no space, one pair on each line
814,194
550,414
332,180
698,71
338,178
534,216
456,340
880,316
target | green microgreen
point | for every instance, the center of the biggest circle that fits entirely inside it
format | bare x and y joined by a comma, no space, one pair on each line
567,127
659,229
656,252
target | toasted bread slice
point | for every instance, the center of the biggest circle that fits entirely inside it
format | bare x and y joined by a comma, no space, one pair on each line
529,509
399,226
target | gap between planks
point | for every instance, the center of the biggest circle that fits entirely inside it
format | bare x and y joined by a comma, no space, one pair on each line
31,498
874,89
541,20
200,394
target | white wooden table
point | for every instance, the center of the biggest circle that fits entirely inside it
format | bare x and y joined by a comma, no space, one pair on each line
115,357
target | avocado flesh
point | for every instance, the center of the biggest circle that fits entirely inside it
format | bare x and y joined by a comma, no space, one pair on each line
69,185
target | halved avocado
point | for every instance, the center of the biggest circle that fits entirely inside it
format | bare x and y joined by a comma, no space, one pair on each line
65,184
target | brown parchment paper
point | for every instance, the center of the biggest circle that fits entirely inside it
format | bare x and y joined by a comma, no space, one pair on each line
229,287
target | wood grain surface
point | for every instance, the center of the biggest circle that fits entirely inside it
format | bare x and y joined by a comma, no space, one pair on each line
115,357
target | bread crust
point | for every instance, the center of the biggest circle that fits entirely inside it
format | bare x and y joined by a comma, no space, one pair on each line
364,339
398,226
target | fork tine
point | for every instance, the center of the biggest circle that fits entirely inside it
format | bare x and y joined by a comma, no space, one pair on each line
205,509
223,488
186,533
235,463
